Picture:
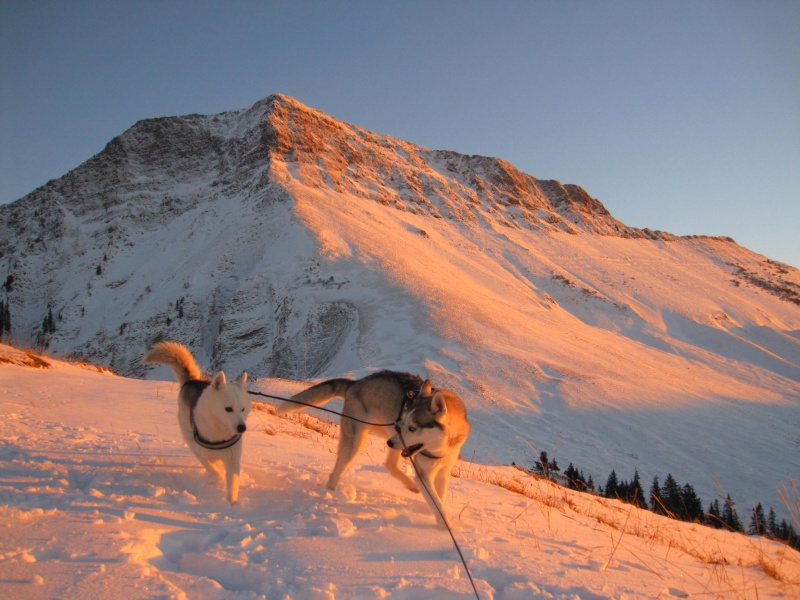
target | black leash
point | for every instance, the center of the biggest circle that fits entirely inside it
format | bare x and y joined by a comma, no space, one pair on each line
333,412
396,426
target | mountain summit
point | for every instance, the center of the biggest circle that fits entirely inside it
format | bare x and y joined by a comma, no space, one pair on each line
283,242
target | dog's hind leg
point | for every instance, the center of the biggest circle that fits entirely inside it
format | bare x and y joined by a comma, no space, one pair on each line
394,468
351,440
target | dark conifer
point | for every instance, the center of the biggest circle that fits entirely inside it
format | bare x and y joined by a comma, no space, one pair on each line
691,506
730,517
772,525
714,517
612,486
655,497
540,466
758,521
636,492
671,496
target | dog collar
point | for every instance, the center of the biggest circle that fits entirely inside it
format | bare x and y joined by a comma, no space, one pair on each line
427,454
414,451
215,445
201,441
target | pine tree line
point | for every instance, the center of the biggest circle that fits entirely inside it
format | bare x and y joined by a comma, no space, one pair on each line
672,500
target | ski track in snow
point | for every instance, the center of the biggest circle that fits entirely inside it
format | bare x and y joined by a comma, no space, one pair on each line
100,498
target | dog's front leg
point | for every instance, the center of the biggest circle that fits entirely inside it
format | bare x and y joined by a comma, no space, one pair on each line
232,469
427,480
394,468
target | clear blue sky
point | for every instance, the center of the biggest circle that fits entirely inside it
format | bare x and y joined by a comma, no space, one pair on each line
682,116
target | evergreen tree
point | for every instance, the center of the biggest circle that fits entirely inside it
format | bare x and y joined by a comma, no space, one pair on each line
575,479
758,521
545,467
612,486
772,525
541,465
623,490
655,497
730,517
553,470
671,496
714,515
692,507
636,492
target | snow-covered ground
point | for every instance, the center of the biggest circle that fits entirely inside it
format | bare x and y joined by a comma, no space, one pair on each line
100,498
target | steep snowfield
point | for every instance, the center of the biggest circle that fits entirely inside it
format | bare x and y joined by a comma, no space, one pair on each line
100,498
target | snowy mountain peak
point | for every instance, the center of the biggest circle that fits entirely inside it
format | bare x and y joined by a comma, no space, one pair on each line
283,242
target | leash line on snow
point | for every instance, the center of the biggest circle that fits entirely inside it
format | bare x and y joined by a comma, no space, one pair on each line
413,464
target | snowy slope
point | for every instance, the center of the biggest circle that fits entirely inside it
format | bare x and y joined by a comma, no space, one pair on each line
282,242
100,498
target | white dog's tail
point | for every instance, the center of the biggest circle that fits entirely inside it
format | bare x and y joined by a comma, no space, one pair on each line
177,357
316,395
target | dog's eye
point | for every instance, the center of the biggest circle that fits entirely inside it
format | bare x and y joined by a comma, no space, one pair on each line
411,428
228,409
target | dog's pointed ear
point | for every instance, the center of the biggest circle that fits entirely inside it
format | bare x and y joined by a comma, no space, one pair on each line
438,405
243,382
219,380
426,389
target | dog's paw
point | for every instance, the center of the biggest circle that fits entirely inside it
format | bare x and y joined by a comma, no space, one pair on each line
412,487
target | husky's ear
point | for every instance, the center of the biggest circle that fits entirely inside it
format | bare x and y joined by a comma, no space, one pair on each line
426,389
438,405
219,380
243,382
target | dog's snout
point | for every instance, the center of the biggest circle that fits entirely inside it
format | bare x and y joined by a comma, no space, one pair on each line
390,443
241,428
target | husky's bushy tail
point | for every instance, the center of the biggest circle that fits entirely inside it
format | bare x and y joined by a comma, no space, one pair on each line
316,395
177,357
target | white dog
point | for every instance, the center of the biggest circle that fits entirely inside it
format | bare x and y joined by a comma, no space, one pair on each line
211,413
